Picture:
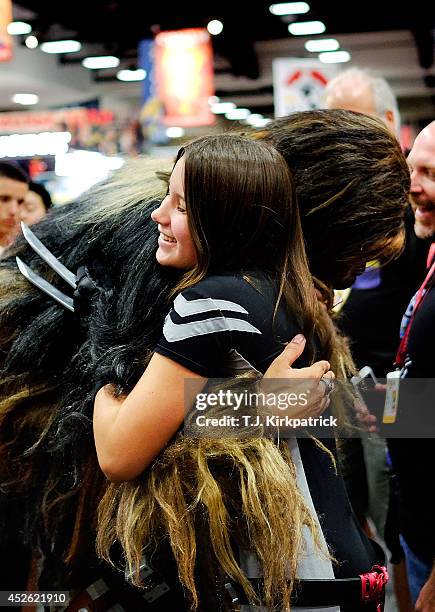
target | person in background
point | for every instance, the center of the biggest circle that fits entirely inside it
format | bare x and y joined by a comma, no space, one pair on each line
358,90
13,189
371,316
413,459
36,205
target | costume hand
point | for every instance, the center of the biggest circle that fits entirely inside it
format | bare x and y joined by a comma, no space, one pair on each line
365,418
88,289
280,377
426,599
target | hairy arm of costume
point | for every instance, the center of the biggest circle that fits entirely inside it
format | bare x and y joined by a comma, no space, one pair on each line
131,431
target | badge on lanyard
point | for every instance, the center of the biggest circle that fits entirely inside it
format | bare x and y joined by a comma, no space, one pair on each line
391,397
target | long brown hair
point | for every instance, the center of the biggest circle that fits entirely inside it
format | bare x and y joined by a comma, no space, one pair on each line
239,195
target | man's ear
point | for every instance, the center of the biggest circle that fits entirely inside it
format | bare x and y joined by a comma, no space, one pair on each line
391,121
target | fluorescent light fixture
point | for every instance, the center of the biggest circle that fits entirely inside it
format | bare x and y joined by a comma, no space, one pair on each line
289,8
254,117
335,57
31,42
322,44
306,28
102,61
174,132
132,75
28,145
213,100
25,98
261,122
61,46
237,114
221,108
215,27
15,28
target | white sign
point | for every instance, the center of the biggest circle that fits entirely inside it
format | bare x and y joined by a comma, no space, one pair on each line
299,84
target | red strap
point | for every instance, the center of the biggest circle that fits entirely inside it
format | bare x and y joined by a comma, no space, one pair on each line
430,255
373,584
403,347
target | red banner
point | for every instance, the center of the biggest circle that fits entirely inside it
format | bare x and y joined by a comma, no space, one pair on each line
184,73
5,38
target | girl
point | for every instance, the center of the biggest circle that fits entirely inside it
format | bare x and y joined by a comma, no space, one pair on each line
227,194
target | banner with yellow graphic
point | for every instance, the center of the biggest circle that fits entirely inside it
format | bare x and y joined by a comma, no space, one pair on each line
5,38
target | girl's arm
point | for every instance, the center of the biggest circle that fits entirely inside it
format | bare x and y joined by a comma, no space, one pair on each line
131,431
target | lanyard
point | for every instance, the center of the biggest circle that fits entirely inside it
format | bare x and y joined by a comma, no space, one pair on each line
403,348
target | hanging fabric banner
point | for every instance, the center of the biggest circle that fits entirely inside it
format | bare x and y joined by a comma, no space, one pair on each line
184,71
5,38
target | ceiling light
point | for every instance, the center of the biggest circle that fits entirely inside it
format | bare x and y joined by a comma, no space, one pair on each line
102,61
336,57
31,42
215,27
25,98
289,8
174,132
304,28
254,118
222,107
132,75
260,122
238,114
322,44
213,100
16,28
61,46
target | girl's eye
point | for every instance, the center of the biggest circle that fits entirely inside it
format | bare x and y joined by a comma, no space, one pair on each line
181,209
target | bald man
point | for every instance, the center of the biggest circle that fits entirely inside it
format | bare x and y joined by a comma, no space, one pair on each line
421,161
414,459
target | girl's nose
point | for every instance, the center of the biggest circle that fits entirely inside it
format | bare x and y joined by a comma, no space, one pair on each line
159,215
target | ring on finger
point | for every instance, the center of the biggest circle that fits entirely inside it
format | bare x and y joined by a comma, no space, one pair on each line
329,385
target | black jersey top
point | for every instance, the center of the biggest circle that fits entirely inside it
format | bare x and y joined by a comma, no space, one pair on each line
224,321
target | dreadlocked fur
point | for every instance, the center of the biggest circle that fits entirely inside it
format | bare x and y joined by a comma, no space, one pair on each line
51,365
48,354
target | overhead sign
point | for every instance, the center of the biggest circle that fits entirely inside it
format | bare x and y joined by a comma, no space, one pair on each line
5,38
184,74
51,121
299,84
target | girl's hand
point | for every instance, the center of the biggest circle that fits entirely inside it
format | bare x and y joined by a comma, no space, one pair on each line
316,381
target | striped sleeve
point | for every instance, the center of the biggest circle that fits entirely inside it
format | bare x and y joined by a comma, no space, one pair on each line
198,330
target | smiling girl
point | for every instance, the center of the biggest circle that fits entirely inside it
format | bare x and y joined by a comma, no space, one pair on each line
229,222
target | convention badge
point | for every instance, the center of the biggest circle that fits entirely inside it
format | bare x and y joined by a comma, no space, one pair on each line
391,397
